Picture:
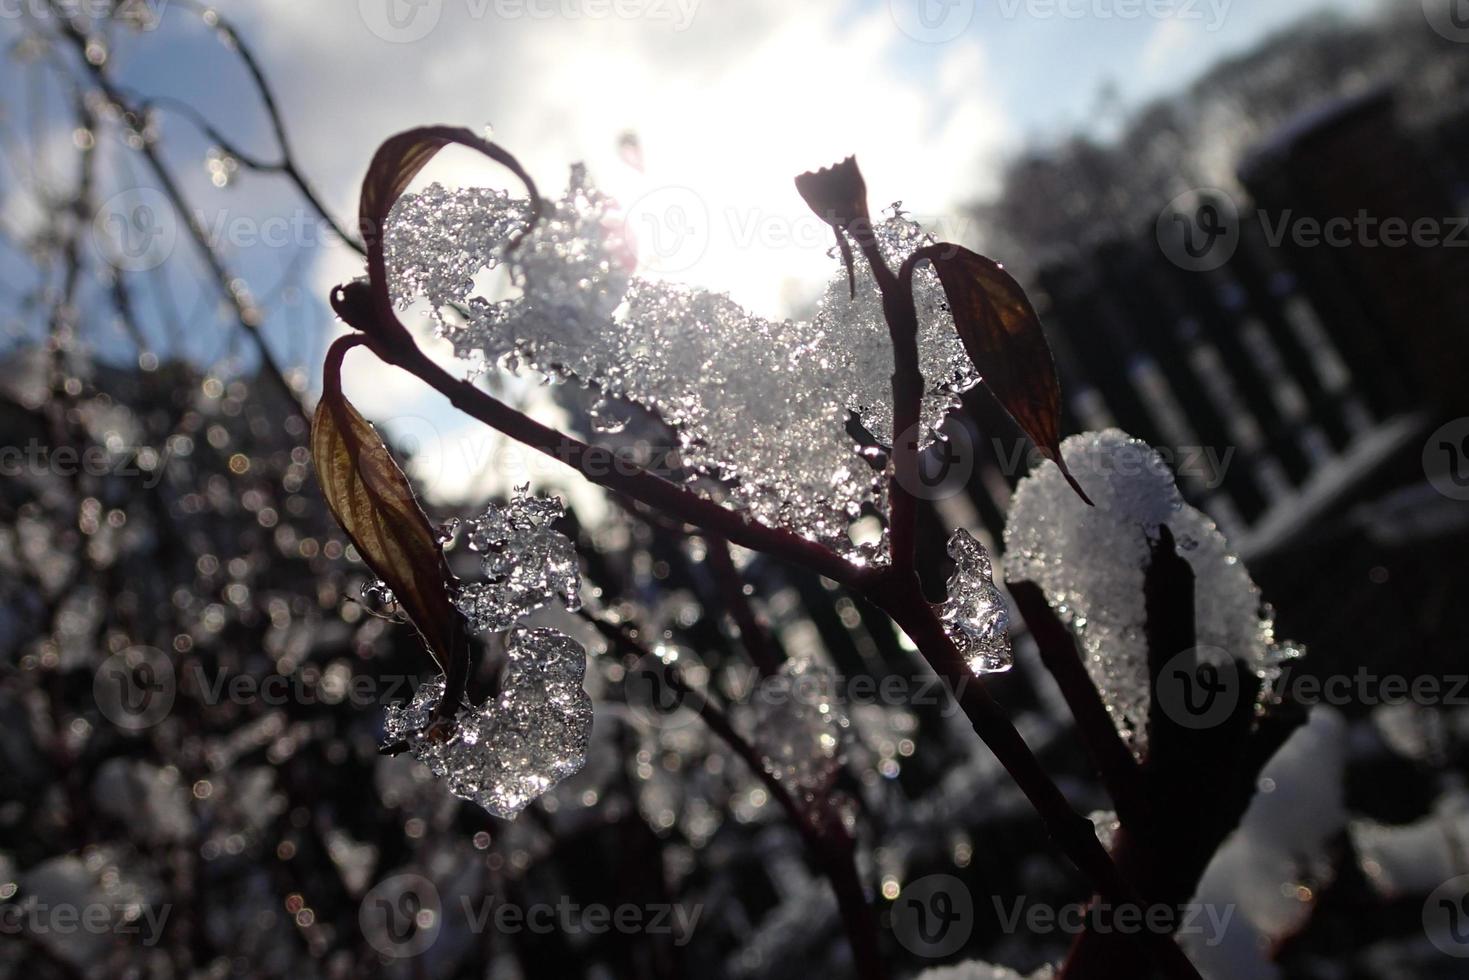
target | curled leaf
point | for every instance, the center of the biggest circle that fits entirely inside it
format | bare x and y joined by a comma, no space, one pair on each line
1004,339
374,503
393,168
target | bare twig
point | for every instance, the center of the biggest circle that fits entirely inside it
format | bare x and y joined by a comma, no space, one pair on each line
824,836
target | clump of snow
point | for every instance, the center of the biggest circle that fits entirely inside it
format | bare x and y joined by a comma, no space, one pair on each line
1268,873
526,562
504,754
973,612
761,407
1091,563
1415,858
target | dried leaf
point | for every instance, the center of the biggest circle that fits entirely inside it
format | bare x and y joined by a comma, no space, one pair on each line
374,503
1004,339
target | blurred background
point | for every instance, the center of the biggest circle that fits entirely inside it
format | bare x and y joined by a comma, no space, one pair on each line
1243,222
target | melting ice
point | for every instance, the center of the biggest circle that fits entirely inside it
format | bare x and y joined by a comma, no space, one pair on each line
974,613
526,562
502,755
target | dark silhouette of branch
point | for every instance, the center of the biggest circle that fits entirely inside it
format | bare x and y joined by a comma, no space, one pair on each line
823,834
752,632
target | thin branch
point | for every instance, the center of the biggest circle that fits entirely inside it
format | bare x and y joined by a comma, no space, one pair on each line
605,468
826,838
902,599
288,166
752,632
894,589
246,315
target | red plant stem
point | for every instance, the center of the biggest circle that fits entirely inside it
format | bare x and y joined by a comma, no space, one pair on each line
1118,768
902,320
604,468
895,590
900,596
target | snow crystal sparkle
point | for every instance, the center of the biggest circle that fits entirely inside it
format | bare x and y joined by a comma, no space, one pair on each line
505,754
760,405
526,562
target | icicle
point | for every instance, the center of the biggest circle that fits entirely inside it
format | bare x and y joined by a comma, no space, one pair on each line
974,614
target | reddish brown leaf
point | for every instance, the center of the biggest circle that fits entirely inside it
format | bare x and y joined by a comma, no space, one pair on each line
1004,339
374,503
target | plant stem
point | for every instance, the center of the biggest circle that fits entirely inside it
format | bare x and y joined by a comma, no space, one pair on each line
830,843
900,597
604,468
752,632
895,590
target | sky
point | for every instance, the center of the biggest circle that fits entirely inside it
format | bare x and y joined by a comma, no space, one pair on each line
729,99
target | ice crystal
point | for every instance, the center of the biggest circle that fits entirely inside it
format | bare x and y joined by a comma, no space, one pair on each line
1091,562
526,562
506,753
974,613
761,407
800,726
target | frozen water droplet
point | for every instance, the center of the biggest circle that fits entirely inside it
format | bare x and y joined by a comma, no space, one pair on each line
221,167
974,613
609,417
378,593
505,754
448,529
